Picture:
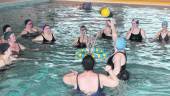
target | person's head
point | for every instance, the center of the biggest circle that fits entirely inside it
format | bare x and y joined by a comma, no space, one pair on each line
28,23
10,37
83,30
46,28
120,44
5,49
135,23
164,24
6,28
108,23
88,63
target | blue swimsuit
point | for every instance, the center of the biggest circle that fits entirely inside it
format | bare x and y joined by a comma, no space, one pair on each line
98,93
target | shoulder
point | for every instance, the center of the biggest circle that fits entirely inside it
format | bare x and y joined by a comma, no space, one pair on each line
142,30
70,78
23,32
2,63
158,33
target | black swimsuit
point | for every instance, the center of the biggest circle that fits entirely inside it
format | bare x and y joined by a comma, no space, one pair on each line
166,38
136,37
98,93
45,41
123,75
106,37
30,35
80,45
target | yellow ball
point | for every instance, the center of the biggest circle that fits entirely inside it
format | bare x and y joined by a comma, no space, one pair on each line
105,12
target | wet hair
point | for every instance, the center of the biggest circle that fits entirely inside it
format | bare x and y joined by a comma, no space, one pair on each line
7,35
108,20
5,27
137,21
4,47
88,62
45,26
26,21
83,27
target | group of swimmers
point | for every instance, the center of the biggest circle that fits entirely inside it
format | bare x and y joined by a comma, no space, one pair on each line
10,49
116,63
91,83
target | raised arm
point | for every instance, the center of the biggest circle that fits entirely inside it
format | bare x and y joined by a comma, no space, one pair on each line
143,34
129,34
114,32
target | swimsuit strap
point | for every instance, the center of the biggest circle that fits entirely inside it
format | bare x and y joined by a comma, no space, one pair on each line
79,40
99,86
19,46
78,88
44,40
53,39
140,31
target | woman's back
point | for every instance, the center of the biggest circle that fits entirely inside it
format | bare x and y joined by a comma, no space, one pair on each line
88,82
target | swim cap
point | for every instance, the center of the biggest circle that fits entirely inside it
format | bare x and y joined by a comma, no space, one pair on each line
3,47
164,24
120,43
7,35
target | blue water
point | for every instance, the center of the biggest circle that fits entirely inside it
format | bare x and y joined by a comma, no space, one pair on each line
42,74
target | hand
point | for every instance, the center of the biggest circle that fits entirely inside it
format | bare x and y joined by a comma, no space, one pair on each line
108,68
74,72
113,21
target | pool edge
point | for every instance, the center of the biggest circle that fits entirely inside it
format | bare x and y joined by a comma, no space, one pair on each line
127,2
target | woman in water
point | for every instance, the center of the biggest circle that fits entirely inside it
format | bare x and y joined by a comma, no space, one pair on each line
86,6
163,35
15,47
5,54
117,61
106,33
30,31
135,33
89,82
81,41
6,28
46,37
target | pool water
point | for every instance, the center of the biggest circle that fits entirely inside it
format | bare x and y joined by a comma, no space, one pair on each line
41,74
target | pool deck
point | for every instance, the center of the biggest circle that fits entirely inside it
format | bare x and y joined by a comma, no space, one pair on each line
10,3
129,2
